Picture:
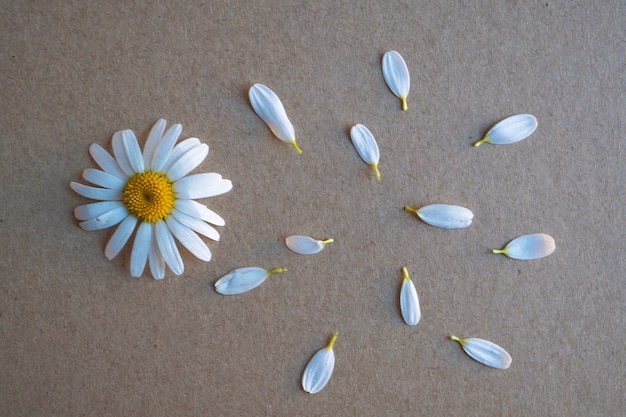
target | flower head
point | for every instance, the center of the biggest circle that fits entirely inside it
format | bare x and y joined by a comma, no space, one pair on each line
151,192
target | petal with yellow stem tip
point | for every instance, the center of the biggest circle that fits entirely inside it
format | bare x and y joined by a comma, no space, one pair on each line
446,216
366,146
320,368
528,247
510,130
269,108
485,352
409,303
396,75
305,245
241,280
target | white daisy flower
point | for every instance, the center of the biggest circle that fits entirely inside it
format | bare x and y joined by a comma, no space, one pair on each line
242,280
510,130
409,303
151,192
485,352
446,216
396,75
528,247
366,146
320,368
305,245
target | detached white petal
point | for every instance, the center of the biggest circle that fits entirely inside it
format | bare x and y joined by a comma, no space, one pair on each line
510,130
396,75
527,247
444,215
241,280
409,303
305,245
366,146
485,352
320,368
269,108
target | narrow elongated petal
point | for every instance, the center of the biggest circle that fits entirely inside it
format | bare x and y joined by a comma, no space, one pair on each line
396,75
485,352
510,130
189,239
106,161
196,225
188,162
179,150
241,280
104,179
92,210
155,259
164,147
120,237
201,186
366,146
119,152
167,246
409,303
320,368
269,108
141,247
445,216
195,209
154,137
96,193
105,220
131,147
528,247
305,245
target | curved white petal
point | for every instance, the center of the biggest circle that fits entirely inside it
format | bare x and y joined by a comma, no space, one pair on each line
119,152
305,245
92,210
179,150
164,147
188,162
105,220
241,280
141,247
445,216
155,259
510,130
396,75
485,352
366,146
196,224
154,137
269,108
106,161
319,369
201,186
189,239
120,237
167,247
409,302
133,152
528,247
202,212
96,193
104,179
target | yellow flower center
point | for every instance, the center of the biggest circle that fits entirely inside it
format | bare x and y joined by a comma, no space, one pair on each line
149,196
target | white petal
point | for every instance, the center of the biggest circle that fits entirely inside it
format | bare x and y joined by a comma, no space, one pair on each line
510,130
155,259
141,247
366,146
167,247
90,211
305,245
241,280
396,75
106,161
188,239
196,224
179,150
119,152
485,352
195,209
188,162
319,369
527,247
409,303
270,109
120,237
204,185
154,137
96,193
105,220
104,179
163,149
131,147
444,215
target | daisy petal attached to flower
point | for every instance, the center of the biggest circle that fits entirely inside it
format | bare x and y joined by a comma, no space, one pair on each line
444,215
409,303
528,247
269,108
396,75
305,245
151,189
510,130
319,369
242,280
485,352
366,146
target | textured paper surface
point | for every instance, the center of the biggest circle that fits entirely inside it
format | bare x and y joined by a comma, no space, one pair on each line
79,336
